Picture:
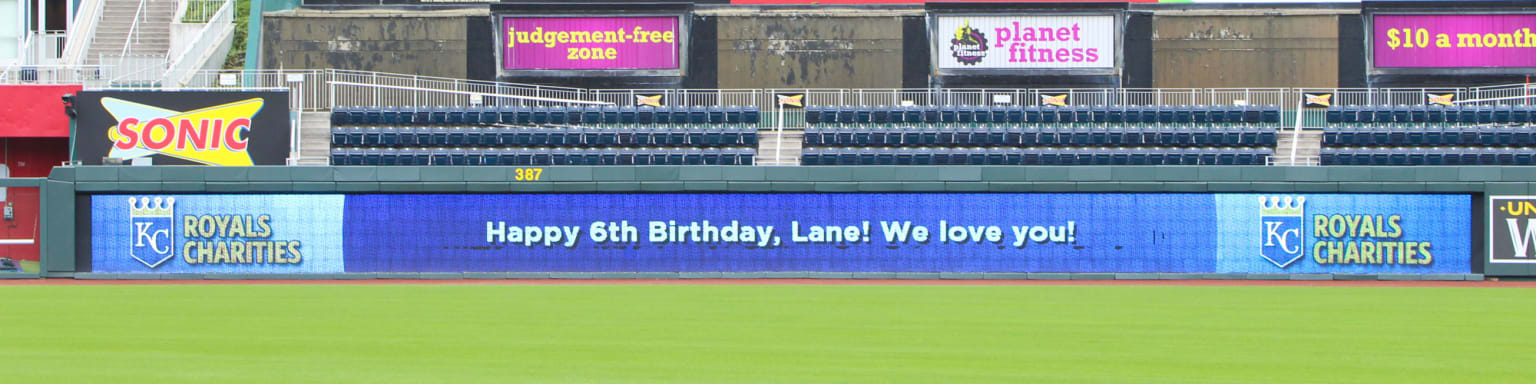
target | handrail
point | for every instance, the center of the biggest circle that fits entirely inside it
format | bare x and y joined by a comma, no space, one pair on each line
133,30
83,32
481,94
183,67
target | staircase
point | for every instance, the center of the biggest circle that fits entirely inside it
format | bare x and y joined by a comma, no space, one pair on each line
315,138
1308,147
787,146
153,33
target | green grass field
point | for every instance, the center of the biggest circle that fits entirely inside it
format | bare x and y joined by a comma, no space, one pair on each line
764,334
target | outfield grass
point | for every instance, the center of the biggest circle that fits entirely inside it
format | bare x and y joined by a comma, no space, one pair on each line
764,334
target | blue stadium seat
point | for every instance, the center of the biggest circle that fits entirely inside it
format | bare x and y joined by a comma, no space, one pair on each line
472,115
624,156
716,115
643,156
339,136
1521,114
750,115
734,115
1383,114
884,156
863,114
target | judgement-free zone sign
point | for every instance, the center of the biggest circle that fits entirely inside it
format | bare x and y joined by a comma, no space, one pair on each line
590,43
1025,42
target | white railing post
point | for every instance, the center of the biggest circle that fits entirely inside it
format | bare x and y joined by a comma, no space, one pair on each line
1296,133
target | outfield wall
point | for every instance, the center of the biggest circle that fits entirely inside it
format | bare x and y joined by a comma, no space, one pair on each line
1119,222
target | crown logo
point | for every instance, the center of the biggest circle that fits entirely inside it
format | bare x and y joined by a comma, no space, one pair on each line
145,207
1281,206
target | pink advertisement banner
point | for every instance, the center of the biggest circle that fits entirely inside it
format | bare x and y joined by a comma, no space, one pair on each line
1454,41
590,43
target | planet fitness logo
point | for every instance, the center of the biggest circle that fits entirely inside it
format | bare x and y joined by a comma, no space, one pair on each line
969,45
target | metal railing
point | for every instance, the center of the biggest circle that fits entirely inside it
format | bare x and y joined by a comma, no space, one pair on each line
197,11
220,26
43,48
83,32
143,71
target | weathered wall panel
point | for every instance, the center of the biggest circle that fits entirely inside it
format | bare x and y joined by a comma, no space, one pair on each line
423,43
1232,51
829,51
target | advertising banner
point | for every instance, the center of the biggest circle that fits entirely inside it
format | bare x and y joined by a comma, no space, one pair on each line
876,232
216,233
183,127
1026,42
1454,41
590,43
1511,233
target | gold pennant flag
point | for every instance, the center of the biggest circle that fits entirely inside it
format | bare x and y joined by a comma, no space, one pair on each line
1319,99
794,100
1445,99
648,100
1056,100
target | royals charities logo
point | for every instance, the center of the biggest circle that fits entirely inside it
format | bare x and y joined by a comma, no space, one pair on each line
152,227
969,45
1282,227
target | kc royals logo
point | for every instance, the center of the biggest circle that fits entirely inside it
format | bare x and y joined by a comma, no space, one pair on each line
1282,228
151,221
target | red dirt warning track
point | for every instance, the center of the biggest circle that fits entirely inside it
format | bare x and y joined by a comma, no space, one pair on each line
1267,283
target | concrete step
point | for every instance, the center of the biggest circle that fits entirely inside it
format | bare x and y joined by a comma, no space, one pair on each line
776,149
314,138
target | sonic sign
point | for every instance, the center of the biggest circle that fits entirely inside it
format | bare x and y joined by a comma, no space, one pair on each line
1025,42
184,128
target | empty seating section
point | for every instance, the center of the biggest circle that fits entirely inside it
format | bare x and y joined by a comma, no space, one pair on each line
1040,135
1429,135
557,135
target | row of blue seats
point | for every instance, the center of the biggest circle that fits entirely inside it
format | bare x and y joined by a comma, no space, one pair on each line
1428,156
638,136
1035,156
1031,135
1430,135
543,115
542,156
1478,114
1044,114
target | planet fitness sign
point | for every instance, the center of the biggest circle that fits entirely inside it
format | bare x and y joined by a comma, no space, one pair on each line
590,43
1025,42
1454,41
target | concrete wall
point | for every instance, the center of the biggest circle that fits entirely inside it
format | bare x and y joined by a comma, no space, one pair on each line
833,48
430,43
1204,49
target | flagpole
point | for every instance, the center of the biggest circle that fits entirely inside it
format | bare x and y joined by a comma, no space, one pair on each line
778,148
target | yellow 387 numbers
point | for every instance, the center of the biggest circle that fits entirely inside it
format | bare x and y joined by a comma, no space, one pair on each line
527,174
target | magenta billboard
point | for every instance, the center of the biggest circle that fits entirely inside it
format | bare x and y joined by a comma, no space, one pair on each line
590,43
1454,41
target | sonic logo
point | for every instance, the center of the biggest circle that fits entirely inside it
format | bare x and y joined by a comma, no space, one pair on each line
1056,100
1319,100
1282,227
1445,99
648,100
796,100
218,135
151,230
